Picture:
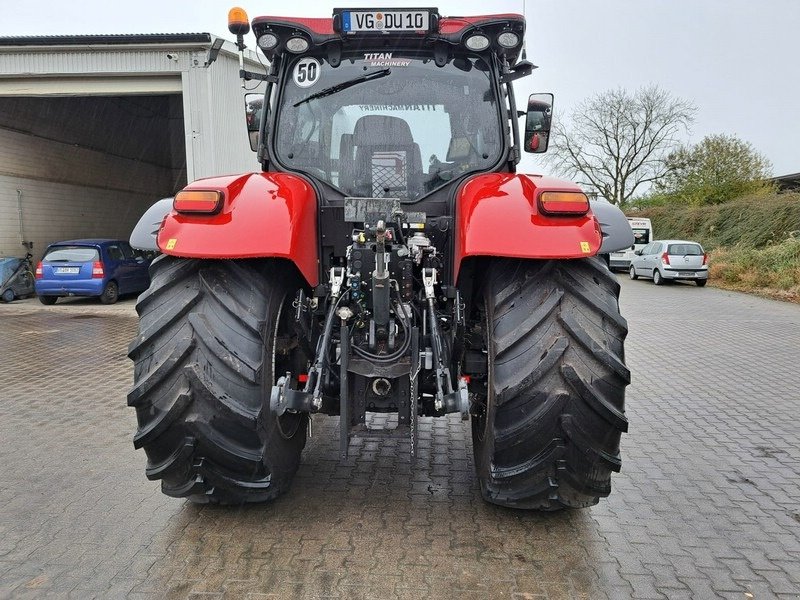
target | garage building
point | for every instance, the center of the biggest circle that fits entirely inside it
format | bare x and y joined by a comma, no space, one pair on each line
94,129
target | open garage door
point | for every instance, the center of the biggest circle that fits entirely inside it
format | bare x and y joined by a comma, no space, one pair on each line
86,165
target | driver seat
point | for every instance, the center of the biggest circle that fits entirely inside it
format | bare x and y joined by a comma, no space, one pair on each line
386,160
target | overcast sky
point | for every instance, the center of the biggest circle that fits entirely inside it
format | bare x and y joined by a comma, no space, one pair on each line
736,60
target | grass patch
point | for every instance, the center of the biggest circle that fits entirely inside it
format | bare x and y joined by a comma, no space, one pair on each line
772,271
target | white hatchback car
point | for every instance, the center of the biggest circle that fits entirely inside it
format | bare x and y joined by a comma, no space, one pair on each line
664,260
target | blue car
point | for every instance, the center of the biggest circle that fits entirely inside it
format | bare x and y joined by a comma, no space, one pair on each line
104,268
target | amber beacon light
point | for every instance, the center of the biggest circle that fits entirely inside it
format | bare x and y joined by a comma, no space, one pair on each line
238,23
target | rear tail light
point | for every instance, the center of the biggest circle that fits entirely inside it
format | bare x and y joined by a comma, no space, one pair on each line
39,270
564,203
705,258
198,201
98,271
665,258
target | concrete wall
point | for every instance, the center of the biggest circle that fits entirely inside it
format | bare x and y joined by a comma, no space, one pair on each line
69,192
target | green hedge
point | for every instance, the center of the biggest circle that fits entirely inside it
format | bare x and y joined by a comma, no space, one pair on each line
750,222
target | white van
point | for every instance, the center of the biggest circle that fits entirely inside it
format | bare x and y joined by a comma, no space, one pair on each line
642,235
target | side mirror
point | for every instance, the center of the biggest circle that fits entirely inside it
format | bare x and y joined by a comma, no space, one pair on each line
253,112
637,252
537,123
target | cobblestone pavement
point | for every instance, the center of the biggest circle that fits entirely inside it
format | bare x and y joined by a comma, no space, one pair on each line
707,504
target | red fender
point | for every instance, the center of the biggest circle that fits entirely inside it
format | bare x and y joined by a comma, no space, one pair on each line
497,214
264,214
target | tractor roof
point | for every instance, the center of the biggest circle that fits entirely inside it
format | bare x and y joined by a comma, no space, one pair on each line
448,31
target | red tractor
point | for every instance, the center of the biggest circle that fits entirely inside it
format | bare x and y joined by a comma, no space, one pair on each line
387,259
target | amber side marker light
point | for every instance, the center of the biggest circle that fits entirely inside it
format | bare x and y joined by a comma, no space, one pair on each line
198,201
564,203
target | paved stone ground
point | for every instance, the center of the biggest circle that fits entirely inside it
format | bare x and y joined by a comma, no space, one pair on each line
707,505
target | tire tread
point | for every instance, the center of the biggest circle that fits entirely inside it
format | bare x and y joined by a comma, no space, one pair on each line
558,376
198,380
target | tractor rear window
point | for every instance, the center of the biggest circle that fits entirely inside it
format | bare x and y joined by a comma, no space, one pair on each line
685,250
641,236
72,254
388,125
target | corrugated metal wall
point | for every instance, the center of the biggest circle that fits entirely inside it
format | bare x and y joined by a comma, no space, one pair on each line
214,105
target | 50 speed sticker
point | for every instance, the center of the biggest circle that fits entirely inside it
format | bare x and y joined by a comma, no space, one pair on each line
306,72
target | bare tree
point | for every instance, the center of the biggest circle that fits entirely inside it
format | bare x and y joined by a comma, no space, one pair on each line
617,142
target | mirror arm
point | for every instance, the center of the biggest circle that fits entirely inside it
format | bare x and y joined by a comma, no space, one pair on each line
518,71
251,76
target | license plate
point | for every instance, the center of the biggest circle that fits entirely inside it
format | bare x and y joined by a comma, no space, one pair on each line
685,274
385,21
67,270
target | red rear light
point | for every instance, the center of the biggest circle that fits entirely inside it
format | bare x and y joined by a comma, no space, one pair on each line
98,271
564,203
665,258
705,258
39,270
198,201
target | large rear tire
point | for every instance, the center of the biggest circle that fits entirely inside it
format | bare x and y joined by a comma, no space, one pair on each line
212,336
546,434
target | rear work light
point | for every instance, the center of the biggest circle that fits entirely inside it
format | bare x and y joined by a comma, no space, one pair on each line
297,44
477,42
564,203
39,270
98,271
665,258
198,201
267,41
508,39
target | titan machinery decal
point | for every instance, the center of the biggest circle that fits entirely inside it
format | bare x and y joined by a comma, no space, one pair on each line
384,59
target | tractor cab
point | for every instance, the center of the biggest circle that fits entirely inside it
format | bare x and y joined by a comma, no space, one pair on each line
388,103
